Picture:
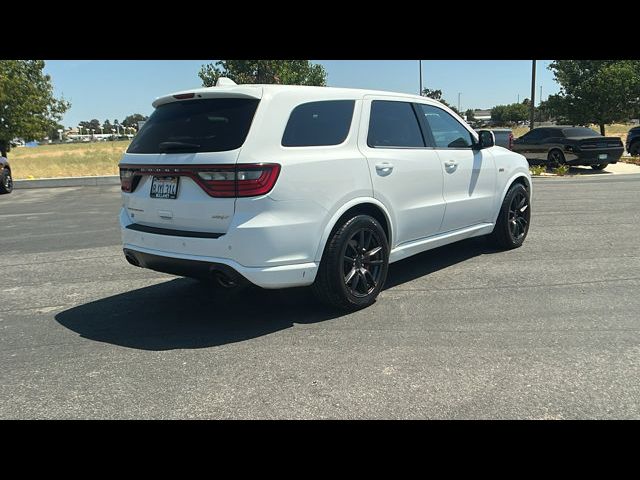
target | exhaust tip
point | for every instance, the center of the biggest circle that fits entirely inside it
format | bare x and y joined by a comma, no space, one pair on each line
131,259
227,277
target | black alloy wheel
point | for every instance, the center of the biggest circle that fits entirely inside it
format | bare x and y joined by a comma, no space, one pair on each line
519,215
6,182
354,264
514,218
362,262
556,158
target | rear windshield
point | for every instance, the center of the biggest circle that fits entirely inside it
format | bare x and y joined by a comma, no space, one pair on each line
579,132
208,125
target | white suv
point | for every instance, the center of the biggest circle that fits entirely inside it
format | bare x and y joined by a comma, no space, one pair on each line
287,186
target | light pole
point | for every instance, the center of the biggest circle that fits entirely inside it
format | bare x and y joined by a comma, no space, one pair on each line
420,66
540,101
92,134
459,93
533,94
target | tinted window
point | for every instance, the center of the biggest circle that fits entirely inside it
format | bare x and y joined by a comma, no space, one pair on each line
579,132
319,123
209,125
447,131
393,124
535,134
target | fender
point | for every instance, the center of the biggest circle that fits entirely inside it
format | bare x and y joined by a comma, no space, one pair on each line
517,174
350,204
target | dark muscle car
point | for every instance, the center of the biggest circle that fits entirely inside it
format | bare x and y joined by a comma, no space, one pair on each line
6,182
558,145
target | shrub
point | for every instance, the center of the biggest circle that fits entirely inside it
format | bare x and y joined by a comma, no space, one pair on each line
537,169
561,170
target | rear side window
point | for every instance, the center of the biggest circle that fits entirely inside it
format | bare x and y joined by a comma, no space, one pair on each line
393,124
207,125
317,124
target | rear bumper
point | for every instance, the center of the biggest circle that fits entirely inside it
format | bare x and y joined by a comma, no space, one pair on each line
283,276
587,157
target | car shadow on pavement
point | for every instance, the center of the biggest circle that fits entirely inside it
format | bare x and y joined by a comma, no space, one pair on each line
586,171
183,313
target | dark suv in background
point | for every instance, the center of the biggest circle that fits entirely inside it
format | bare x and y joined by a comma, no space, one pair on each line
633,141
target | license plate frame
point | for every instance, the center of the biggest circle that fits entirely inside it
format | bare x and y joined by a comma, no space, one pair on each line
602,156
164,187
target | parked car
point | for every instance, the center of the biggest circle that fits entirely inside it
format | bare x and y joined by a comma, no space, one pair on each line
503,137
569,145
287,186
6,182
633,141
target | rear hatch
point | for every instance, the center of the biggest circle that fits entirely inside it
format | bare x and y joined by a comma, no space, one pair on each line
178,173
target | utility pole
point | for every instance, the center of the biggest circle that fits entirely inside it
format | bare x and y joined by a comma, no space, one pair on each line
459,93
533,94
420,66
518,98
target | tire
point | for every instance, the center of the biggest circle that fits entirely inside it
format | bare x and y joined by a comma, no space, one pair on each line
634,149
354,264
514,218
6,182
555,158
600,166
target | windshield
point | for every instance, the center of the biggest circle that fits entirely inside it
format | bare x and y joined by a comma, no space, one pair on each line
579,132
208,125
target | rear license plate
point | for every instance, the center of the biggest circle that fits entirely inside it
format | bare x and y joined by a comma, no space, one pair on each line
164,187
602,156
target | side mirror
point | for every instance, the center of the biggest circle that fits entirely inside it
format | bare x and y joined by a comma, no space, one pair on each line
486,139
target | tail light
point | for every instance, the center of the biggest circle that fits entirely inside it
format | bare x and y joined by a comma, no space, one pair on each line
127,178
243,180
510,140
247,180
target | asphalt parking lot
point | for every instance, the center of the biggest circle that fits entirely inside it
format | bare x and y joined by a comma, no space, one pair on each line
547,331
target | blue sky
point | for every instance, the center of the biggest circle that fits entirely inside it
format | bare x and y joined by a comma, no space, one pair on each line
114,89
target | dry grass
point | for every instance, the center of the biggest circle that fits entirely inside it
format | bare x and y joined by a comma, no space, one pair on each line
67,160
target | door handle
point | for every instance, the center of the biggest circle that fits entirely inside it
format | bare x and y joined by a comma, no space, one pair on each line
450,164
384,168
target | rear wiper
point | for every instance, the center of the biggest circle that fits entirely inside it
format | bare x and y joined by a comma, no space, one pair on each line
178,146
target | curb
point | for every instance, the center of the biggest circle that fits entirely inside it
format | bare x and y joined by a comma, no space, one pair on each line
67,182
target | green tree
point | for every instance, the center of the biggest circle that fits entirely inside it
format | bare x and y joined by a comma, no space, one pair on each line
29,108
107,127
499,114
512,113
517,112
286,72
52,131
132,120
470,115
596,91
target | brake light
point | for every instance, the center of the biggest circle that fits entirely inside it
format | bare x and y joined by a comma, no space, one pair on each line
510,141
126,179
246,180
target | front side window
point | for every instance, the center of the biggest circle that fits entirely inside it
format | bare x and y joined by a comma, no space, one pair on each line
447,131
319,124
394,124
